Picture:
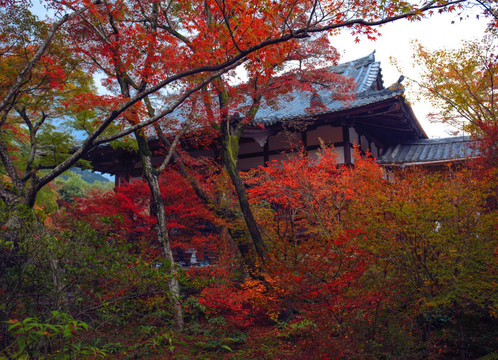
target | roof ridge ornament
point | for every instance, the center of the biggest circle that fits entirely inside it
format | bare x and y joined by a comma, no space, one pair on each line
316,99
372,55
316,104
397,85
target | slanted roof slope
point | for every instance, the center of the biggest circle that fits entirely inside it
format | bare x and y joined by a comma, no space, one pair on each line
365,72
426,151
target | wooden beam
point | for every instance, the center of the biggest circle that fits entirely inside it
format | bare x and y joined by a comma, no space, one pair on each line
265,153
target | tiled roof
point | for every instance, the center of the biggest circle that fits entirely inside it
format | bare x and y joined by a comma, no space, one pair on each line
428,150
364,71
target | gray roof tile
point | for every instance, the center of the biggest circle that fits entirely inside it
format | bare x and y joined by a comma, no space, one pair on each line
364,71
428,150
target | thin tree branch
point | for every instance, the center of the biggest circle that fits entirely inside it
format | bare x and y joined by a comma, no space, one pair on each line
29,66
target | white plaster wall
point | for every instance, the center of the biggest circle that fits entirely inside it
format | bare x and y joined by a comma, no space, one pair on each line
374,150
353,136
364,143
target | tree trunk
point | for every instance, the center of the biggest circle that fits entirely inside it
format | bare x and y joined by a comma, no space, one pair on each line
223,230
152,178
229,155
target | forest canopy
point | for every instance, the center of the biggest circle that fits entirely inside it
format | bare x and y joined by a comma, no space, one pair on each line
302,258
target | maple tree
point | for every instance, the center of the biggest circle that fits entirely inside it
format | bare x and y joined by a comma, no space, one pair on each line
461,83
154,58
102,252
32,135
413,256
127,214
310,211
355,266
200,38
232,108
180,48
440,241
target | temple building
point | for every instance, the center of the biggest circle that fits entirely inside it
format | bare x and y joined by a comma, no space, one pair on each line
379,121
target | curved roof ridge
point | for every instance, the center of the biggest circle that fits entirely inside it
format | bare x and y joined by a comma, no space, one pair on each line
370,71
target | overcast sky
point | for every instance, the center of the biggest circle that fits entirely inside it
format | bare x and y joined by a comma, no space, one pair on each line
434,33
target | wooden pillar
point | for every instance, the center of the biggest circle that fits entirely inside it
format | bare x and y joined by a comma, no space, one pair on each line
266,152
123,170
304,140
347,144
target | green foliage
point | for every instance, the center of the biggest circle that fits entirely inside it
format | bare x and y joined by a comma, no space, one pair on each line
490,356
461,84
444,240
89,176
73,268
358,264
25,263
296,329
425,257
54,146
51,339
75,186
434,235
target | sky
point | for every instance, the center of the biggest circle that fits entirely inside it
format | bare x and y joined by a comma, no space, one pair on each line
433,33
